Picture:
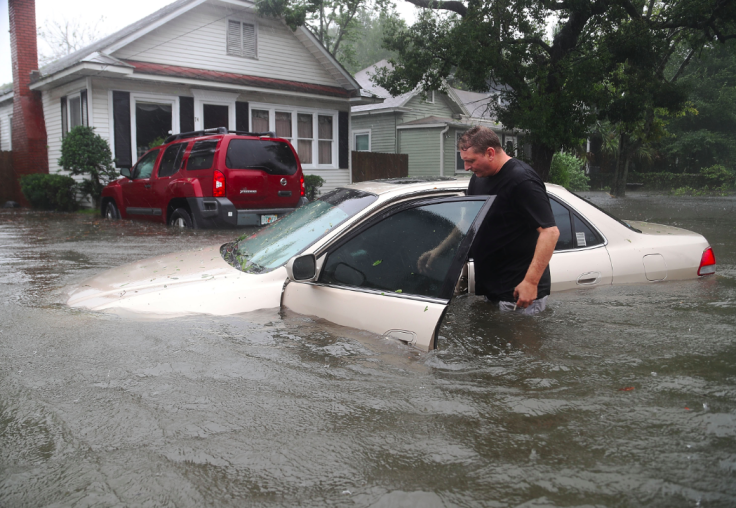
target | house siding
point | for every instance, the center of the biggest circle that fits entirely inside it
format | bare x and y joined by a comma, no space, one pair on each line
6,110
333,178
422,109
383,130
197,39
423,148
51,100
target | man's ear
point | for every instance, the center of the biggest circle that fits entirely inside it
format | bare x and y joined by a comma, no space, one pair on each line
490,152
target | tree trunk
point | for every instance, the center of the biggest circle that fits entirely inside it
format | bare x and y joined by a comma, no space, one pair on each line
542,160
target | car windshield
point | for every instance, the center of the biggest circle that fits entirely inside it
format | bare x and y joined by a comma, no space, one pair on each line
274,245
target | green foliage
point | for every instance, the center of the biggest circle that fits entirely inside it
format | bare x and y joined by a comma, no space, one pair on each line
719,176
157,142
50,192
312,183
85,153
371,30
568,171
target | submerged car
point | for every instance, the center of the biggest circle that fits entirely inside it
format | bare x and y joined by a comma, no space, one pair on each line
350,257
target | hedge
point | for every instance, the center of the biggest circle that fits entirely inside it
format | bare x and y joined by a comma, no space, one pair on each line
50,192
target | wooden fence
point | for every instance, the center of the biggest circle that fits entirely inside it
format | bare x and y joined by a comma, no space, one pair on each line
8,185
372,165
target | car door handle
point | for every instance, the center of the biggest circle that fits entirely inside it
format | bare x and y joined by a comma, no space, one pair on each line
147,186
589,278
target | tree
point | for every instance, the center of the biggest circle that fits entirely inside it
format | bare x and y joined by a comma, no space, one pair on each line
85,153
334,22
66,36
373,28
553,89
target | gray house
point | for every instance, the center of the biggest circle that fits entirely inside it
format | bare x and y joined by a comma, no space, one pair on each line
424,127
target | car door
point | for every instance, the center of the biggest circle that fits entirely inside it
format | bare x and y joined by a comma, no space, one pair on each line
580,258
370,279
170,164
138,192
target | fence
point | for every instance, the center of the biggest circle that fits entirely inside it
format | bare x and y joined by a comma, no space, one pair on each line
372,165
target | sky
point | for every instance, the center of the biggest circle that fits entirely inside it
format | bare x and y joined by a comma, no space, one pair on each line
117,15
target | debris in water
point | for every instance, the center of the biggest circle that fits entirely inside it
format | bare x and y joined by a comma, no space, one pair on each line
376,263
626,389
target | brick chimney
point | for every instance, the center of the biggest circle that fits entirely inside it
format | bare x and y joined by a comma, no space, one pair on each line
30,154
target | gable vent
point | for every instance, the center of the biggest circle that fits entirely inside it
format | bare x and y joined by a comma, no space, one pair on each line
241,39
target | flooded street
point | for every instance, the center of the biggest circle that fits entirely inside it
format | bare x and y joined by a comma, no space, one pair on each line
615,396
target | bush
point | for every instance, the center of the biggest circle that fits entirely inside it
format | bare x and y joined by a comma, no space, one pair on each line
567,170
312,183
50,192
718,176
85,153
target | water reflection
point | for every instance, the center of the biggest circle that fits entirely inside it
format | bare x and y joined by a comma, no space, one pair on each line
618,396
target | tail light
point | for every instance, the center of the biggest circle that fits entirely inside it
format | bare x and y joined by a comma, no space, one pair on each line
218,185
707,262
301,184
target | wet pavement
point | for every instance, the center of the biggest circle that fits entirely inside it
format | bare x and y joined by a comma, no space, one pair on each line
617,396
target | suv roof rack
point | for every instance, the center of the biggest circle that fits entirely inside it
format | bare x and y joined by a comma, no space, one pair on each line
213,131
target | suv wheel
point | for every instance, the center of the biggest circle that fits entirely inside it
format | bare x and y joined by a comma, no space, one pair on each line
181,219
111,211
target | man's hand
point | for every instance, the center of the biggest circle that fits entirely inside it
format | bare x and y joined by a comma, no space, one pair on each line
525,293
424,263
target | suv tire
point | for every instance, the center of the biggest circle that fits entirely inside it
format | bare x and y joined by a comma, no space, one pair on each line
181,218
111,211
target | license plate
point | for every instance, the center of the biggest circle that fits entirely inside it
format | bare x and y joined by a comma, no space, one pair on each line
268,219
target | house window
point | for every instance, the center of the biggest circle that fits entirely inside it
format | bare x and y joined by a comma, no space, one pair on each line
312,132
510,146
241,39
459,164
430,97
153,124
73,111
362,141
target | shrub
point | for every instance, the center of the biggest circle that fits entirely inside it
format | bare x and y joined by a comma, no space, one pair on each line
718,176
85,153
567,170
312,183
50,192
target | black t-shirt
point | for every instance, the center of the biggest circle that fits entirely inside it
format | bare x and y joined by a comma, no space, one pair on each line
504,246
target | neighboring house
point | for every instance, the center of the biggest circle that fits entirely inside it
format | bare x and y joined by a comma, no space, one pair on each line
6,118
424,127
198,64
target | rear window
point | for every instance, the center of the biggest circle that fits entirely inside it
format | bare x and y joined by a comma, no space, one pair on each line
202,154
273,157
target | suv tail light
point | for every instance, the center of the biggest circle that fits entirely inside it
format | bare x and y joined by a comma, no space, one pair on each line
707,262
218,185
301,185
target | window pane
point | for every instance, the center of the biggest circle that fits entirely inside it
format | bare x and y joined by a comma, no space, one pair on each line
362,143
385,256
259,120
304,149
304,126
459,163
325,152
144,168
75,112
269,156
152,124
562,219
510,148
202,155
215,116
283,124
171,160
325,127
584,236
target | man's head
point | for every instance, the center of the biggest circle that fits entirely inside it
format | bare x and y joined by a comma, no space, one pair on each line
480,150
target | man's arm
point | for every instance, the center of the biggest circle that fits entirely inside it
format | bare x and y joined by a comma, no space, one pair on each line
526,292
425,261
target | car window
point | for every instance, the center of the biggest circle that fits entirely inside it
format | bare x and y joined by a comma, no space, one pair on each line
274,245
273,157
202,154
144,168
562,219
171,160
575,233
384,257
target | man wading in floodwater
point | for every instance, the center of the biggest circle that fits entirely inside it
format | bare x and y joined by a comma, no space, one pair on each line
514,244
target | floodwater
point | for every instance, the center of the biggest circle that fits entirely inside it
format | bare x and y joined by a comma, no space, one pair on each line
617,396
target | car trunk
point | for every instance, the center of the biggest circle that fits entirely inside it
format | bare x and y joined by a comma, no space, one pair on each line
253,188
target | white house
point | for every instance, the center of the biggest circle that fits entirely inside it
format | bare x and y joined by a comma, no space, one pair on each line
198,64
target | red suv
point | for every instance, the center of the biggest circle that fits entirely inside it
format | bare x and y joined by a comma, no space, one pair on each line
210,179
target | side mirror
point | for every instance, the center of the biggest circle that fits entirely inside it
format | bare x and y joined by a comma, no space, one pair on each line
125,172
302,268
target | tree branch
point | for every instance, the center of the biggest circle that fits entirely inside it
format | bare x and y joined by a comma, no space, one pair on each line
682,66
446,5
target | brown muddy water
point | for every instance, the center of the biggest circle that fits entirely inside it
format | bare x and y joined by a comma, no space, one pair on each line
274,409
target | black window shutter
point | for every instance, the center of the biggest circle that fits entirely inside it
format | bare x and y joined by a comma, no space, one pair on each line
186,114
121,121
343,137
85,110
241,116
64,123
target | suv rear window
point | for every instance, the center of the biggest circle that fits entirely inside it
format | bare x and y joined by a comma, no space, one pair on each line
202,154
273,157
